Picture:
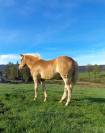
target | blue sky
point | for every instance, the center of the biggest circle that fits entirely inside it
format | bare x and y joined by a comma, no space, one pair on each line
51,28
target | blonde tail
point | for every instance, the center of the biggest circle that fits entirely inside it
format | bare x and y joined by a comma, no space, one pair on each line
74,75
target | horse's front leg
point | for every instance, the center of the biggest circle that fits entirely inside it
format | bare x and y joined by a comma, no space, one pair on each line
44,90
35,89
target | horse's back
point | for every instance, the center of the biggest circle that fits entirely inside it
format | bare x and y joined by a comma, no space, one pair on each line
64,59
62,65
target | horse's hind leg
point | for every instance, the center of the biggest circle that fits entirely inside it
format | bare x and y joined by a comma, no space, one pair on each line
69,95
69,90
64,95
44,90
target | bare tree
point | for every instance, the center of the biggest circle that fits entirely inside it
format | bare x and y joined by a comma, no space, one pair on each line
89,69
96,71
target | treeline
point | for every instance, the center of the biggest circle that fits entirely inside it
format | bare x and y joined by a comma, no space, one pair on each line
12,73
93,73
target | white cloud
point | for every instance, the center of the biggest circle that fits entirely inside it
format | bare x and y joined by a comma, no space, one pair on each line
6,58
34,54
92,58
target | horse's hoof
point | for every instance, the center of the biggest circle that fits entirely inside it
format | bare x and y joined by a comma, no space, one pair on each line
60,101
66,104
45,100
34,99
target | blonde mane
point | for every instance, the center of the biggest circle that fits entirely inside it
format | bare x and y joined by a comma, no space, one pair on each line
35,55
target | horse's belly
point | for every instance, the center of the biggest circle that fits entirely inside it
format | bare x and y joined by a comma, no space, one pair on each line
47,75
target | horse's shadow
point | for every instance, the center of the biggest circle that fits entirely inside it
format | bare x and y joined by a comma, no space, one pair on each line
97,100
90,100
84,100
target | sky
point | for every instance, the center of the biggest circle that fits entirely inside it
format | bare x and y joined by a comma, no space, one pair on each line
75,28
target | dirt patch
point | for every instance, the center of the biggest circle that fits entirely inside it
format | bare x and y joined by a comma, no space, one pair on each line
91,84
81,84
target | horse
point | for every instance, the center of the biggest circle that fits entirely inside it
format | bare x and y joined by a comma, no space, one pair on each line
42,70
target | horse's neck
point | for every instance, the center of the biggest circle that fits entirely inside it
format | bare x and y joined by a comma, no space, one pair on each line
30,64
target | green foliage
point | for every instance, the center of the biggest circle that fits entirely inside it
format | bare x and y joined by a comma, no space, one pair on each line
11,71
25,73
93,74
20,114
89,70
0,73
100,77
96,71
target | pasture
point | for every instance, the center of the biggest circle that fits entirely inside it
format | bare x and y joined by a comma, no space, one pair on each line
20,114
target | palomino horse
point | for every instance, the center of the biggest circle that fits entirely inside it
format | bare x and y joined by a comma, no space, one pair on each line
42,70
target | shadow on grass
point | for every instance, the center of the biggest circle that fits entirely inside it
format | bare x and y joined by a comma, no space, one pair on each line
1,130
90,100
96,100
3,108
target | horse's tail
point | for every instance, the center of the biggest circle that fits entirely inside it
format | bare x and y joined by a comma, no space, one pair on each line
74,75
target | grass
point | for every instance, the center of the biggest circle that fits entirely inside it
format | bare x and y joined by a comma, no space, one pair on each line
20,114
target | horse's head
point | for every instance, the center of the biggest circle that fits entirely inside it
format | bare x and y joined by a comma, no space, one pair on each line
23,62
28,60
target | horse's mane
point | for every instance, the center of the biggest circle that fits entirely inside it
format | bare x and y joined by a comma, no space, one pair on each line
34,55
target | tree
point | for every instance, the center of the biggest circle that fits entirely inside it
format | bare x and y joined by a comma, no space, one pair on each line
89,69
0,74
18,75
25,73
11,71
96,70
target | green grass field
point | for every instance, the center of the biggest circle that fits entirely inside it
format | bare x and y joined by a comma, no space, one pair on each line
98,78
20,114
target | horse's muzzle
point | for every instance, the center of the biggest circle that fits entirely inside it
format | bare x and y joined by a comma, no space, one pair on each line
20,67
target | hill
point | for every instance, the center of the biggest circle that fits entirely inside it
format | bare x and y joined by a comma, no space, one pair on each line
85,68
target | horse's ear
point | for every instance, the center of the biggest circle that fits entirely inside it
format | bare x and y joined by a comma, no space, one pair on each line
21,55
